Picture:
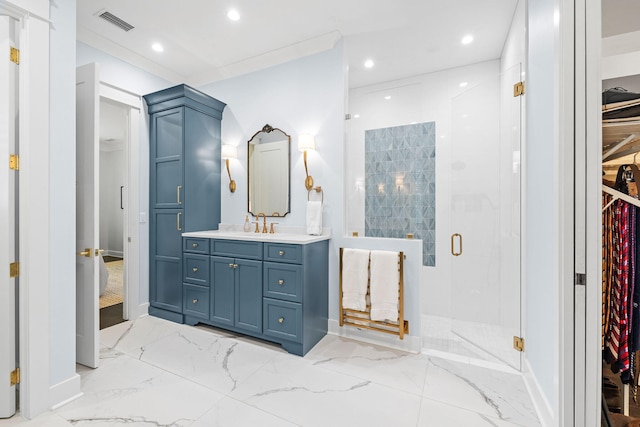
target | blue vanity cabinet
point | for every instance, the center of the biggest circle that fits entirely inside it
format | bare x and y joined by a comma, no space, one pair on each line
184,189
273,291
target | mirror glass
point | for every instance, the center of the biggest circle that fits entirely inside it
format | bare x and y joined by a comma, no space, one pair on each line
268,169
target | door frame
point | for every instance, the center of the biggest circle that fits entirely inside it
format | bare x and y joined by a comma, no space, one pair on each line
132,307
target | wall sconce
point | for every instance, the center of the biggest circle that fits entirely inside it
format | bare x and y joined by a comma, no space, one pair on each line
230,152
307,142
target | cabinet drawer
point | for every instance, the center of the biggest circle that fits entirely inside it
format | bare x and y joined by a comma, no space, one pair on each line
281,252
195,269
282,319
237,248
195,245
196,301
283,281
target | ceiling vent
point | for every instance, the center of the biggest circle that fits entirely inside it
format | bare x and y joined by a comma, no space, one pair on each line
111,18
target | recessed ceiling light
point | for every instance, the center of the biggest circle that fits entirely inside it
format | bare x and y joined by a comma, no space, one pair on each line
463,84
157,47
467,39
387,97
368,63
233,14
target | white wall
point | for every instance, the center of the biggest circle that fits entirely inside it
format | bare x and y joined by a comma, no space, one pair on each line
423,98
62,195
542,208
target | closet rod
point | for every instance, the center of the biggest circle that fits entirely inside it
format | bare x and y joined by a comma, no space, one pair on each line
619,195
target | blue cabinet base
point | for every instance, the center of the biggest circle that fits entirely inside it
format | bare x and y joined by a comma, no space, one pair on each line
291,347
166,315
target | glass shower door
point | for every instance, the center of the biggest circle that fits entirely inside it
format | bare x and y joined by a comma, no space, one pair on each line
485,216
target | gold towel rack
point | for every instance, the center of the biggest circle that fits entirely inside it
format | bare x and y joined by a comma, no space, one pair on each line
317,189
362,319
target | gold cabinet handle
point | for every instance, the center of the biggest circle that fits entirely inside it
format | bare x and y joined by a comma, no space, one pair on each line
178,227
281,320
195,269
195,245
231,265
87,252
195,301
281,253
99,251
178,194
280,282
453,238
235,265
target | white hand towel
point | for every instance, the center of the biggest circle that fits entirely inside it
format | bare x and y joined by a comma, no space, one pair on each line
314,217
384,286
355,275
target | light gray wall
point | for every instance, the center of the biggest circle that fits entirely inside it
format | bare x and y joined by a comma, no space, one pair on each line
62,185
541,227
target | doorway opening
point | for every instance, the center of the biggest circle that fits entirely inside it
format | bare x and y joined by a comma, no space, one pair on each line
114,142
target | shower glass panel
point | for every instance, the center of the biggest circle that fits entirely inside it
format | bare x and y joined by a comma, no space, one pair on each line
485,216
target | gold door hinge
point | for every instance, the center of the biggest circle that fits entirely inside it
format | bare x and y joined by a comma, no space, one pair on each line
14,55
14,269
518,89
14,162
14,377
518,343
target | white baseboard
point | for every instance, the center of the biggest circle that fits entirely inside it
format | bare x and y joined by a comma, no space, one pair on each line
141,310
64,392
538,398
410,343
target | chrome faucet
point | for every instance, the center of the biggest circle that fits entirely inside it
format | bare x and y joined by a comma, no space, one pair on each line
264,227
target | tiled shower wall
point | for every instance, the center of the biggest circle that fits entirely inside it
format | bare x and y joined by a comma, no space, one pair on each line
400,184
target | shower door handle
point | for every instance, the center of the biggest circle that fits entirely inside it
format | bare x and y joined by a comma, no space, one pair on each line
453,239
121,206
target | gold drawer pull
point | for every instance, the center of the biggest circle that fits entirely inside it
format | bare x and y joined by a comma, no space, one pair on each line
195,301
281,320
195,269
195,245
281,253
280,282
231,265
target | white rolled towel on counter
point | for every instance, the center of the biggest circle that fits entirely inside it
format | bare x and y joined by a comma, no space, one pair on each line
384,286
355,277
314,217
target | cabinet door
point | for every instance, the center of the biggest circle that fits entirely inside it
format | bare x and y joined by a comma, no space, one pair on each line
222,290
248,294
165,284
166,153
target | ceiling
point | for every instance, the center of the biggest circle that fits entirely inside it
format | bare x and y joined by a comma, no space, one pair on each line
202,45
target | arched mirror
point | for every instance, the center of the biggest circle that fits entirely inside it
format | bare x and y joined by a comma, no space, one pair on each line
268,170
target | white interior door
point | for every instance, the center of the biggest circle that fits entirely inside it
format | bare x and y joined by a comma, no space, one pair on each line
485,216
8,115
87,211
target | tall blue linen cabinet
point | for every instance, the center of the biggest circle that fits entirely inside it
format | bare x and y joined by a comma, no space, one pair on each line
184,185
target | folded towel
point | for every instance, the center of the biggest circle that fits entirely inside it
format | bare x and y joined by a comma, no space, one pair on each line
314,217
355,275
384,286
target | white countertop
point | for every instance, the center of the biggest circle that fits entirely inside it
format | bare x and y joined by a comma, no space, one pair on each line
278,237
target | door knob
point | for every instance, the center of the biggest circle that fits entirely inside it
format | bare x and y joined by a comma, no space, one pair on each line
99,251
87,252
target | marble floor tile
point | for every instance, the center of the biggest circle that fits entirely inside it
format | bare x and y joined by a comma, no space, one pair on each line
393,368
294,390
124,390
231,413
206,358
492,393
437,414
157,373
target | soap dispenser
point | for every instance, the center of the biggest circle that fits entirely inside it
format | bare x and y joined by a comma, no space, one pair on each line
247,226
